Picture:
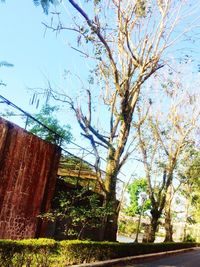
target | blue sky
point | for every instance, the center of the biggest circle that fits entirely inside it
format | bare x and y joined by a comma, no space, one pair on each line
36,58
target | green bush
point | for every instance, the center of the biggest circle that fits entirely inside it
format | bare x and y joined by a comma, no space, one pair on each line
127,227
29,252
47,252
189,238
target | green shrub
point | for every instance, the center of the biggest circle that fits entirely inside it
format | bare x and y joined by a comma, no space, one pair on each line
29,252
189,238
97,251
47,252
127,227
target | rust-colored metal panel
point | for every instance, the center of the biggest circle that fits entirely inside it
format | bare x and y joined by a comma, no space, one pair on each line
28,167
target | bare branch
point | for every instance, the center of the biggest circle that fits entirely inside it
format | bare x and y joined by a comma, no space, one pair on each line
96,30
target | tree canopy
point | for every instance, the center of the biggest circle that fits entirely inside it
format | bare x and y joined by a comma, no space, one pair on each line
138,186
127,44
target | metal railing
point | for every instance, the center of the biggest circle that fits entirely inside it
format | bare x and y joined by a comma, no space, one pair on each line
4,100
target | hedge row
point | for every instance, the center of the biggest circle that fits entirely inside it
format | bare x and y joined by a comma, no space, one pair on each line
48,252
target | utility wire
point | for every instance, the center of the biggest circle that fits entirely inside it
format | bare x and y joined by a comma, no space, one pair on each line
9,103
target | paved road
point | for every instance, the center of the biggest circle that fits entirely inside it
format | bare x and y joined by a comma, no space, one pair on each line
187,259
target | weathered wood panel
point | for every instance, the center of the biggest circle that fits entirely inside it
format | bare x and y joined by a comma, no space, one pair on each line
28,167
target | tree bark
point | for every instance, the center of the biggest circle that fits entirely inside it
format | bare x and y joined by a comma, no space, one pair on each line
110,227
154,225
168,219
188,201
111,224
112,170
168,227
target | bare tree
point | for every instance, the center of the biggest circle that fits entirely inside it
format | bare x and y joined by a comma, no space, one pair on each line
127,42
163,137
189,179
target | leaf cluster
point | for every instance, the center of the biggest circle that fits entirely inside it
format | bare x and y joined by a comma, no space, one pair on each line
57,134
74,163
5,64
137,187
45,4
78,209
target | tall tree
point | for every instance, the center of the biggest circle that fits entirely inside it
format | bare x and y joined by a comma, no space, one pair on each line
169,133
127,41
189,175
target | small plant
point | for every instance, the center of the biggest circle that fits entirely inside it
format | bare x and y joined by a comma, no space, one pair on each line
78,210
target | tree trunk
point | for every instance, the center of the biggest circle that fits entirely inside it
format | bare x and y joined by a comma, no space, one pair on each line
110,227
188,201
113,168
111,224
168,219
154,225
168,227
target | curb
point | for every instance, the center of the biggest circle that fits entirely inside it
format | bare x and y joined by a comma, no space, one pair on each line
132,259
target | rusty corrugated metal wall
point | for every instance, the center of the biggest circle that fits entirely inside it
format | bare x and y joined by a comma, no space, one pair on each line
28,167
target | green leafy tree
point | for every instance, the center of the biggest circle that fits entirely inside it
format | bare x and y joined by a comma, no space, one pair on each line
138,201
135,189
55,133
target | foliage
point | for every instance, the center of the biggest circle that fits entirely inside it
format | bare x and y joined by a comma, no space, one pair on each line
78,209
189,176
126,42
7,113
45,4
141,8
47,252
127,227
58,135
137,187
190,239
74,163
30,252
5,64
162,146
